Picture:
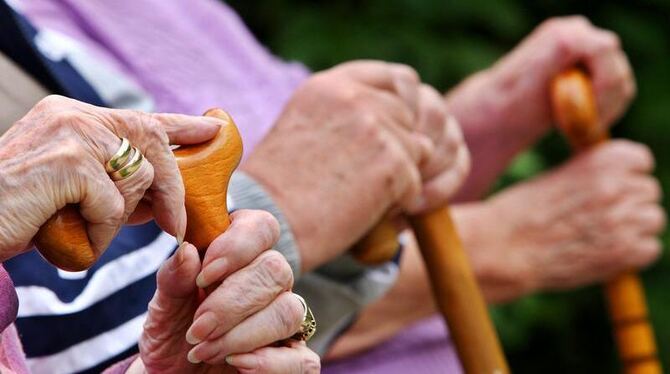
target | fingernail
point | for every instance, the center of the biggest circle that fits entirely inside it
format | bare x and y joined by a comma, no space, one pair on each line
243,361
202,328
191,357
218,122
215,271
181,229
179,256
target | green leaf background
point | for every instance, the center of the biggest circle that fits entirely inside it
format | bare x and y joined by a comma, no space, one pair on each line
447,40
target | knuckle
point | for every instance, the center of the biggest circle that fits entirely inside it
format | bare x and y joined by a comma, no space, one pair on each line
464,163
277,269
264,227
655,191
152,127
264,364
368,127
67,117
311,363
660,219
406,73
289,313
436,115
577,21
646,155
49,102
611,39
629,89
606,188
70,152
347,96
147,176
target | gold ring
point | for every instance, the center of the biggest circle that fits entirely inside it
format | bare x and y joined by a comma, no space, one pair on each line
120,158
130,168
308,325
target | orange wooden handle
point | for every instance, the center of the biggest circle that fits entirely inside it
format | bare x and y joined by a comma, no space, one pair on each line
576,114
206,169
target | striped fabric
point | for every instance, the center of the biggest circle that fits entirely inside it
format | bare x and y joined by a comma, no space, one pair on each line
102,309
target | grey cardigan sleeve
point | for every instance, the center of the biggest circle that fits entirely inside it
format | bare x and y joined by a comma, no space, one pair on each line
335,292
245,193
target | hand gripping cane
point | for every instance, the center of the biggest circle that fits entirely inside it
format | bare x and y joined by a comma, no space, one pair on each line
577,115
206,169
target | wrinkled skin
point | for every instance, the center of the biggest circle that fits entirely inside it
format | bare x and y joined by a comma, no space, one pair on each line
593,218
505,109
231,329
354,142
55,155
596,216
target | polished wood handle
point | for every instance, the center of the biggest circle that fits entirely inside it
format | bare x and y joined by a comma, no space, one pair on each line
576,114
206,169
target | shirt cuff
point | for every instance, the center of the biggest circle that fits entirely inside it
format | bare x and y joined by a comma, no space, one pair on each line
245,193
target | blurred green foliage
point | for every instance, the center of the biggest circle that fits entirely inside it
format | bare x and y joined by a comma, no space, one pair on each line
447,40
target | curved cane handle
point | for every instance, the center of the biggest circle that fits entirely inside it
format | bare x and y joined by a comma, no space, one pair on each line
577,115
206,169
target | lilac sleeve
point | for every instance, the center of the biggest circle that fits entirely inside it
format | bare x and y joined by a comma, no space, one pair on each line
9,303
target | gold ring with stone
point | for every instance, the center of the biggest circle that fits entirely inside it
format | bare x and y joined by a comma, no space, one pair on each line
308,325
120,158
130,168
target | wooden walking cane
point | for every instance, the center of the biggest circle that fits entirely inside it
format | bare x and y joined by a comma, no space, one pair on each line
206,169
577,115
455,288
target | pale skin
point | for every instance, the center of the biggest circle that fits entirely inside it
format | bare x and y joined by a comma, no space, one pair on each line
595,217
55,155
362,137
231,329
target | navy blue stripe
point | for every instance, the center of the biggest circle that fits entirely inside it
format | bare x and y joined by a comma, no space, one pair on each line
14,44
65,331
30,269
17,37
106,364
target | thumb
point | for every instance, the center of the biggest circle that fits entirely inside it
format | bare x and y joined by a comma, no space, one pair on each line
171,311
172,307
176,277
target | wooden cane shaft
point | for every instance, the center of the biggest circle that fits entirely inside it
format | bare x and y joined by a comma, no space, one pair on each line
457,293
576,114
206,169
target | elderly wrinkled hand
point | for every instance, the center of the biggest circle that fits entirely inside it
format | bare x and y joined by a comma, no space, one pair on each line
595,217
514,92
56,155
249,307
354,142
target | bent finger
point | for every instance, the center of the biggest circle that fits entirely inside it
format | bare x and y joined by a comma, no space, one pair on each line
296,358
241,295
278,321
250,233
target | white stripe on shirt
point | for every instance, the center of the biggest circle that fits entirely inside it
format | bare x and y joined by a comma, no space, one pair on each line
110,278
92,352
